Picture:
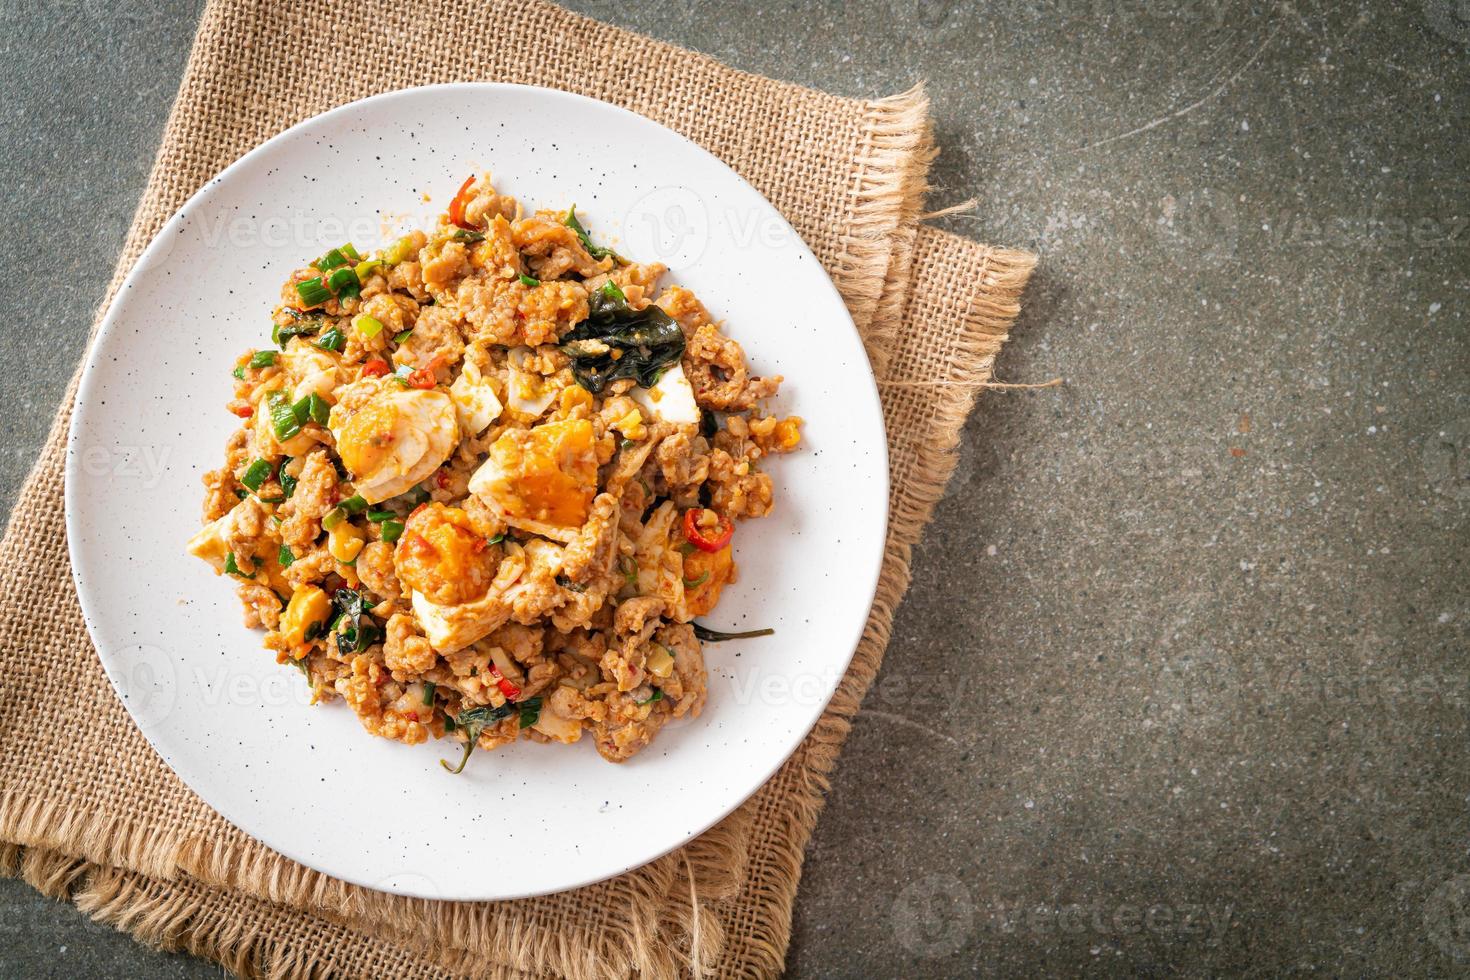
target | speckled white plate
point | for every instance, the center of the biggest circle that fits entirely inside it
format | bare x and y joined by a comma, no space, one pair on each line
235,726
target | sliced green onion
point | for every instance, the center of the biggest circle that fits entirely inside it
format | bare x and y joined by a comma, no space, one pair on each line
657,695
283,417
343,282
379,516
429,692
262,358
232,567
332,260
239,372
530,281
333,518
697,582
392,531
400,338
364,270
399,250
313,292
495,540
285,557
611,290
256,474
312,408
331,340
368,326
350,253
354,504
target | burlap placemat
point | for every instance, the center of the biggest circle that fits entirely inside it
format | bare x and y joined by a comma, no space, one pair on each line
87,810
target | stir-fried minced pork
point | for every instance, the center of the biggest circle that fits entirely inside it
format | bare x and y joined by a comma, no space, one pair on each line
463,501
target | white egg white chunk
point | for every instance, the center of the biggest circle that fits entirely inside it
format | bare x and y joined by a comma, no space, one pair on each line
475,400
526,392
310,369
671,399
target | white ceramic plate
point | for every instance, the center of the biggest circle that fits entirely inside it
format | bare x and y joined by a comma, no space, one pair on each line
307,780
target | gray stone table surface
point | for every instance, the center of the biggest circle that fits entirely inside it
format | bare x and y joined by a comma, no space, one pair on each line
1181,684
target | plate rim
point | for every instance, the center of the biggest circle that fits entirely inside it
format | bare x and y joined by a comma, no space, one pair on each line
83,400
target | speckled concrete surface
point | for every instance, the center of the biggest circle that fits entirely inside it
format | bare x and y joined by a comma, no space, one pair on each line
1181,684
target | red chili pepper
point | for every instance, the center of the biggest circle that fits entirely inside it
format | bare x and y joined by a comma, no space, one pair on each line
375,368
510,691
244,411
423,378
456,206
697,535
442,478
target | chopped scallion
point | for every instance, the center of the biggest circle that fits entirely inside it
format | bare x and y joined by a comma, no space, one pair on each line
379,516
283,416
288,484
285,557
368,326
262,358
400,338
429,692
365,270
350,253
239,372
392,531
343,282
332,260
530,281
313,292
399,250
495,540
232,567
256,474
333,518
695,583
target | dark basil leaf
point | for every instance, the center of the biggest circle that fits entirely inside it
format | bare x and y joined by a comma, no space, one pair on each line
649,341
711,636
355,631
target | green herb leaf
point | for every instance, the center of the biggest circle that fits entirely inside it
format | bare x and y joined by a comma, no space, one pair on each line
368,326
400,338
262,358
331,340
378,516
657,695
648,340
356,631
714,636
473,721
392,531
530,711
495,540
596,251
429,689
239,372
697,582
232,567
530,281
285,557
288,484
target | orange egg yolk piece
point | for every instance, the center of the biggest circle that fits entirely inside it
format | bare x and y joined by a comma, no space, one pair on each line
366,442
546,474
441,556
